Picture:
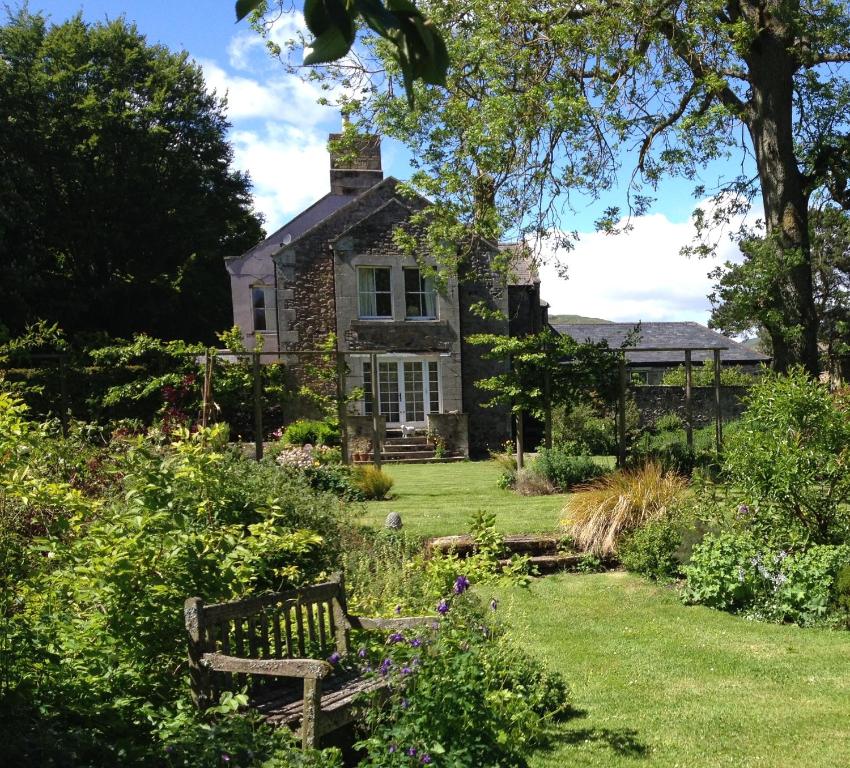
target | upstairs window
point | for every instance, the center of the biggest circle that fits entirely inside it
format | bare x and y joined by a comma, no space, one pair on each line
374,293
420,296
265,308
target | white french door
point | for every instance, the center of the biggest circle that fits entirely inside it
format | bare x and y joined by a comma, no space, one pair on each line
408,390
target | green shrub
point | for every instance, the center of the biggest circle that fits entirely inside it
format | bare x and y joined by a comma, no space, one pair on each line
372,482
565,471
311,431
461,693
734,572
651,550
841,593
790,459
667,445
583,430
337,479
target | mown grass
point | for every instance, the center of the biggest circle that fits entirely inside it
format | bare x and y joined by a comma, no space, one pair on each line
438,499
659,684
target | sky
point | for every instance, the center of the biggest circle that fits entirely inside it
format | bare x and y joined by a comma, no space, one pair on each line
279,134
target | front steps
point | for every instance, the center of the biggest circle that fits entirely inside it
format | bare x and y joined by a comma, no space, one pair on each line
411,449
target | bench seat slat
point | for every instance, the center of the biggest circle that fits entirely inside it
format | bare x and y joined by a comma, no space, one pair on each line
251,605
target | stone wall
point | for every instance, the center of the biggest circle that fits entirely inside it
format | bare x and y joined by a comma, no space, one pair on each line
489,428
453,428
655,401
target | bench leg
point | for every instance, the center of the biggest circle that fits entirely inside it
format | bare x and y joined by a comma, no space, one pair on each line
312,710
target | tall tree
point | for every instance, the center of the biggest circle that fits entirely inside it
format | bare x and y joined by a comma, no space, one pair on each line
545,98
748,297
117,199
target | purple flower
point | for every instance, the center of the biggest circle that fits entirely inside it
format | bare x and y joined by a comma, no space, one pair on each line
406,670
416,642
411,752
415,661
397,610
386,664
395,637
405,703
334,658
494,604
461,585
425,759
743,510
392,748
442,607
225,758
362,653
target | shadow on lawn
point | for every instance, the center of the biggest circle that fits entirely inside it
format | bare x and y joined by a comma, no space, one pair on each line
623,742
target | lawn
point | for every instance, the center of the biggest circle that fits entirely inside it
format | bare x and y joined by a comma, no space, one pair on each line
660,684
437,499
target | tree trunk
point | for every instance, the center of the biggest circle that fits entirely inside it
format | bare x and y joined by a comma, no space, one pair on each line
786,209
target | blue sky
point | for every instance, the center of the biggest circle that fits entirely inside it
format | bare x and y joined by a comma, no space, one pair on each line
279,134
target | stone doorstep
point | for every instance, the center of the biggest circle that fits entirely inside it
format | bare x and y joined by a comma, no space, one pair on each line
426,460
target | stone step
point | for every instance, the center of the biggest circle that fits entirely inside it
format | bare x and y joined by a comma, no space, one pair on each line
523,543
409,440
396,447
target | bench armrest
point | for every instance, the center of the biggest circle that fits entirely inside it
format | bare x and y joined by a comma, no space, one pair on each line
303,668
405,622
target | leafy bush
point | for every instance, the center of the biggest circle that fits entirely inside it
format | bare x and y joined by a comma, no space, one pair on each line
599,514
311,431
565,471
668,445
651,550
583,431
97,622
372,482
337,479
790,459
703,376
734,572
461,693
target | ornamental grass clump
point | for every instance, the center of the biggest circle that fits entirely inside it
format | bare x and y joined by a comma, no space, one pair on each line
600,513
372,482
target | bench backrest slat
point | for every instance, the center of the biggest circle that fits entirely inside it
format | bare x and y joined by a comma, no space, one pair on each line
303,623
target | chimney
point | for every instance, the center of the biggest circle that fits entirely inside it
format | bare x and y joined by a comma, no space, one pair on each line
358,170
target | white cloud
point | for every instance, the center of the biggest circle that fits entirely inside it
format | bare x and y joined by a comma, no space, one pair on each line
639,275
288,167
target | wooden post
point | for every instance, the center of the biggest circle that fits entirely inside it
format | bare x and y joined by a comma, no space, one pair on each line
621,409
689,406
63,395
207,401
718,415
199,676
258,407
341,412
520,441
376,407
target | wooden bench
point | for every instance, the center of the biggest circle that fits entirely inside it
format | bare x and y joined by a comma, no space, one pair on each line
278,645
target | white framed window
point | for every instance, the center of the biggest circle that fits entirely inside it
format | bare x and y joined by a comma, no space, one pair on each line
374,293
420,296
264,308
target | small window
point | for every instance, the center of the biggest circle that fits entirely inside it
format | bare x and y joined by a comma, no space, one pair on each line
264,306
374,293
420,296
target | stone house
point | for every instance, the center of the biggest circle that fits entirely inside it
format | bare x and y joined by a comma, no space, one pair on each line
336,269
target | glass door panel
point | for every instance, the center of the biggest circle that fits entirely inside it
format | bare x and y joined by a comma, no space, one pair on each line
414,393
388,391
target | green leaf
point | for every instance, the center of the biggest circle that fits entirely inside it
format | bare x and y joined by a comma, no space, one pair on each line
244,7
329,46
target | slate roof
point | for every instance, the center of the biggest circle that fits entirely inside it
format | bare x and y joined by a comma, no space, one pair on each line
523,267
307,219
666,335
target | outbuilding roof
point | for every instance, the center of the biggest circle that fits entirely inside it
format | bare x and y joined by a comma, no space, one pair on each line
664,339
